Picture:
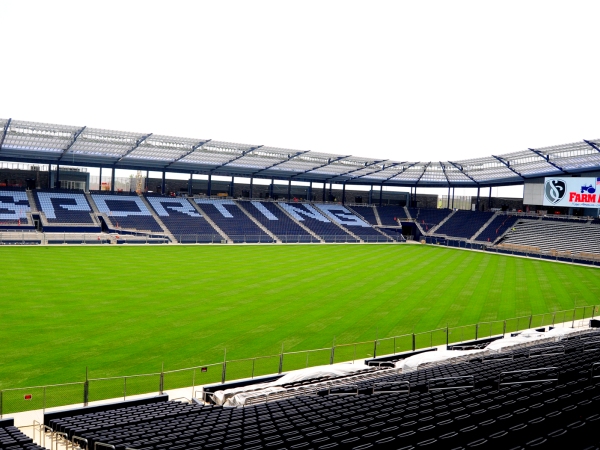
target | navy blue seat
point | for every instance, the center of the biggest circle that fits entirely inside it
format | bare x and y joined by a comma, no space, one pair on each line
277,222
497,227
232,220
317,222
64,206
428,217
14,206
183,220
127,212
343,216
390,214
464,224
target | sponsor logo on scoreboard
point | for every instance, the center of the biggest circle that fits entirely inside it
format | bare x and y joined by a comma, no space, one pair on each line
579,192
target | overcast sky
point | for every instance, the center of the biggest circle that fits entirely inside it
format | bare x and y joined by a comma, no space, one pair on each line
417,81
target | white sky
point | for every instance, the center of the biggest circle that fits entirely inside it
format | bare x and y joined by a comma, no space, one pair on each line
418,81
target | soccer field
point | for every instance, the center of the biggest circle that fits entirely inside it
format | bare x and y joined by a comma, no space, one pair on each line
122,310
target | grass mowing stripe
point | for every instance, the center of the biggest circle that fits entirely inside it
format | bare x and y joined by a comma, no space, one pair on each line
124,310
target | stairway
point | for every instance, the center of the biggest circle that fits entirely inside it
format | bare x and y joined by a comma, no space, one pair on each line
32,202
376,215
414,219
437,227
209,220
485,225
258,224
301,225
167,232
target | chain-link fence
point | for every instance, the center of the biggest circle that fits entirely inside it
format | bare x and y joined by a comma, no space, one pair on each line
94,389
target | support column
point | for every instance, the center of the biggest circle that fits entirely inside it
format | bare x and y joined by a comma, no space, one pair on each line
448,197
371,196
190,185
289,190
490,199
57,179
146,181
330,192
477,203
381,195
344,193
251,185
112,180
209,188
164,183
100,180
231,186
324,190
452,198
309,193
271,188
415,200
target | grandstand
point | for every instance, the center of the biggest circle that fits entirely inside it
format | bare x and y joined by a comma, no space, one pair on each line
532,393
536,389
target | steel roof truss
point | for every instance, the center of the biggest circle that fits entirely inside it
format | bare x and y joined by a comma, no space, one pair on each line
194,148
404,169
290,157
356,170
4,132
329,161
459,167
244,153
547,159
75,137
591,144
137,144
423,173
446,175
507,164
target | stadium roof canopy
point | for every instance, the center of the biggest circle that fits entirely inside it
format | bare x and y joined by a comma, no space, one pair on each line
93,147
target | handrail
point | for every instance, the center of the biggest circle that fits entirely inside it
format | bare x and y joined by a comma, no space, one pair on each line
102,444
65,436
500,383
391,391
82,439
465,386
546,351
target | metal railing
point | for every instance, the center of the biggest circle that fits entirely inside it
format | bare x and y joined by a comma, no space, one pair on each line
20,399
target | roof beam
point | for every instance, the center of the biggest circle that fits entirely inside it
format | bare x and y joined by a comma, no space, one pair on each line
445,174
507,164
356,170
4,132
244,153
329,161
290,157
137,144
402,171
385,168
73,140
194,148
592,144
547,158
423,173
459,167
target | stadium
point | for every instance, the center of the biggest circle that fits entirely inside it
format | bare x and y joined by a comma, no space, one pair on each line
292,299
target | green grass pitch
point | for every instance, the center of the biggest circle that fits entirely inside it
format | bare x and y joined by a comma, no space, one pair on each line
124,310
